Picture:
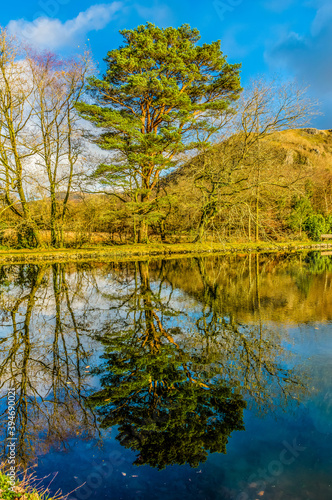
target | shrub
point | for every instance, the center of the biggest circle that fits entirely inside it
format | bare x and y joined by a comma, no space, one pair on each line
315,226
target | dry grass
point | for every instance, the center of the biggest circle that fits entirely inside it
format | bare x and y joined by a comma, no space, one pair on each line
317,148
71,238
154,250
28,487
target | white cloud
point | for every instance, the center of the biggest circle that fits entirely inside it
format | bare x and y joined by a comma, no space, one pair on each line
323,18
49,33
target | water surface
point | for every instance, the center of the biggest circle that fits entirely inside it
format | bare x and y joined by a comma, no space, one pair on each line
201,378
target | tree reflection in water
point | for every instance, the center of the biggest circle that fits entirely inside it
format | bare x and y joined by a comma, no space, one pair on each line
44,359
178,393
177,368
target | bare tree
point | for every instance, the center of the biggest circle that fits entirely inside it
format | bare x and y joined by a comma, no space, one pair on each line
239,163
40,137
270,107
17,140
58,85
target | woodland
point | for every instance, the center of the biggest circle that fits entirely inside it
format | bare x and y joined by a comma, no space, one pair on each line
165,146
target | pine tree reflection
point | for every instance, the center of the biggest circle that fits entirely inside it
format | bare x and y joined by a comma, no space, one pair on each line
175,387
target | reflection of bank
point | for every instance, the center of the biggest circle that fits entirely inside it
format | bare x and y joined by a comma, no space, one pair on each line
46,373
289,284
251,355
178,393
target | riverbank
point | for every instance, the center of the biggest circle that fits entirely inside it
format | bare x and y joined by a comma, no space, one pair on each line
139,252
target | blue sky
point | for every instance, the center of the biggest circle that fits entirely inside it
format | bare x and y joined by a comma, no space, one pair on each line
288,37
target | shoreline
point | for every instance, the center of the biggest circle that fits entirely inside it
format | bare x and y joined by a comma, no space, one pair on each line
141,251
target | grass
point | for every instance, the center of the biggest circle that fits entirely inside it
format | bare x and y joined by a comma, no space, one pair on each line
139,251
25,489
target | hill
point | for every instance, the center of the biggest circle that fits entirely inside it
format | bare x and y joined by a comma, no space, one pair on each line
235,197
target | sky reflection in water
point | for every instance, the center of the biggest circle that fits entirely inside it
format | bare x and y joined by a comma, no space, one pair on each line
201,378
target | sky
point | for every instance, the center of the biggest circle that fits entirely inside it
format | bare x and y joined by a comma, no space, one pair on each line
291,38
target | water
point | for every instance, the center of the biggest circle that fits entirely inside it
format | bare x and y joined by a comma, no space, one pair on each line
201,378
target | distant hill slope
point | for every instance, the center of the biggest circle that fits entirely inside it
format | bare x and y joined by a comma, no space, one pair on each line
314,145
308,147
292,164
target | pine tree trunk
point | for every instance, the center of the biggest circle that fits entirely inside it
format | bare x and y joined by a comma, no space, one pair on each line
143,232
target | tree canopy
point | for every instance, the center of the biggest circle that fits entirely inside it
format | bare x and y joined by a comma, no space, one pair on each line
162,96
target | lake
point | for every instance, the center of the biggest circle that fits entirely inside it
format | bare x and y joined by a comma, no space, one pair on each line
202,378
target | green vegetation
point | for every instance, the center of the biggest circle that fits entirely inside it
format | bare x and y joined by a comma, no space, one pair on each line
23,490
162,96
316,225
152,250
174,150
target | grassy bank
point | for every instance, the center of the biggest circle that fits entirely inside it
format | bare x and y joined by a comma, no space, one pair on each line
134,252
23,490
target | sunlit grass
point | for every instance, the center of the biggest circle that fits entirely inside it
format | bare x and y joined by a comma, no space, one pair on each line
131,251
26,488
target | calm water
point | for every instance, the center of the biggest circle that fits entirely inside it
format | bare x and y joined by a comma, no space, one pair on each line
200,378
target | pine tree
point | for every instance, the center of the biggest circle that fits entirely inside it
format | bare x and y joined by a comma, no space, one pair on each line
162,96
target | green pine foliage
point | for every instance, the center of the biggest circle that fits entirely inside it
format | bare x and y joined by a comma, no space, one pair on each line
163,95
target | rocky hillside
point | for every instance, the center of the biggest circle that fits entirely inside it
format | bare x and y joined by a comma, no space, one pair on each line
288,166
